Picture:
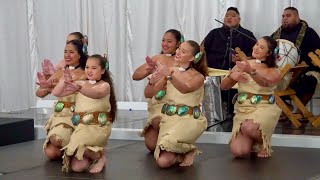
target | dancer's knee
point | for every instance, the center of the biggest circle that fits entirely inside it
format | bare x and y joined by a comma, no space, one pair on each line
166,159
52,152
56,141
249,128
79,165
239,151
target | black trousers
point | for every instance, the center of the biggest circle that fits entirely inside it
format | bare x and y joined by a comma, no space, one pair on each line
226,98
305,87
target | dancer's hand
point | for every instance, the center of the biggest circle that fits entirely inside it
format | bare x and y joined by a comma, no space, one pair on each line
151,65
238,76
43,83
244,66
67,76
162,69
155,77
72,86
235,58
48,68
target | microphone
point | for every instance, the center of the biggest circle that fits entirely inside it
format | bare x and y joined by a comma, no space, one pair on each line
234,29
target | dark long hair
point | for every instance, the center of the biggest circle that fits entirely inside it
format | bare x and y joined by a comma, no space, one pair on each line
78,35
79,45
201,66
272,44
107,78
177,36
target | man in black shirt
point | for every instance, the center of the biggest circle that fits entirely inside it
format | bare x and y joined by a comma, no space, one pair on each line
216,45
307,40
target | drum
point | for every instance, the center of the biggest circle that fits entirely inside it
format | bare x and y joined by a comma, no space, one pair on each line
288,54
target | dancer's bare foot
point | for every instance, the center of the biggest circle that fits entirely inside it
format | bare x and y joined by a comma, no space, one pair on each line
188,158
96,168
263,154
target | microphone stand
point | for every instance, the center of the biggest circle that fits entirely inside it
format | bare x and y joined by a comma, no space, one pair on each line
229,44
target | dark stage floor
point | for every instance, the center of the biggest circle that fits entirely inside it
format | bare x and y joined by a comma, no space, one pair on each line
131,160
128,159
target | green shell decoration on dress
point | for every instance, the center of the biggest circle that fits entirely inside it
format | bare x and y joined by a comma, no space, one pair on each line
256,99
88,118
72,108
241,98
196,112
183,110
59,107
272,99
102,118
164,109
171,110
160,94
75,119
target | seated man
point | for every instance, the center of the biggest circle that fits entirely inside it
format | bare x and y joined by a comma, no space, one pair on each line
306,39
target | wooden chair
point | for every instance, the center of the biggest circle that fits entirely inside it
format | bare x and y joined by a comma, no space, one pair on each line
305,113
315,57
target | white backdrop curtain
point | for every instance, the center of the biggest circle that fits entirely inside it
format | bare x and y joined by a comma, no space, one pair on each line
126,30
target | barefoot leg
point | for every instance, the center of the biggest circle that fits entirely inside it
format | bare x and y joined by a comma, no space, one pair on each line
53,152
96,168
80,165
263,154
166,159
91,155
188,158
150,138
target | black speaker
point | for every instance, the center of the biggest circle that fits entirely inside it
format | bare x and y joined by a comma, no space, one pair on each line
16,130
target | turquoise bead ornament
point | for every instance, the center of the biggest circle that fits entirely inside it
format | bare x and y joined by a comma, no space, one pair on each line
171,110
242,97
196,112
102,118
88,118
256,99
160,94
272,99
75,119
59,107
183,110
164,109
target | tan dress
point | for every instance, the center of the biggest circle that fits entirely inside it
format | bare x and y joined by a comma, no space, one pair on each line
59,124
154,107
92,137
263,113
178,134
154,111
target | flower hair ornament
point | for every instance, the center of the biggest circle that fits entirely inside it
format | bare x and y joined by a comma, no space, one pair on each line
107,66
276,52
197,57
85,45
182,39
